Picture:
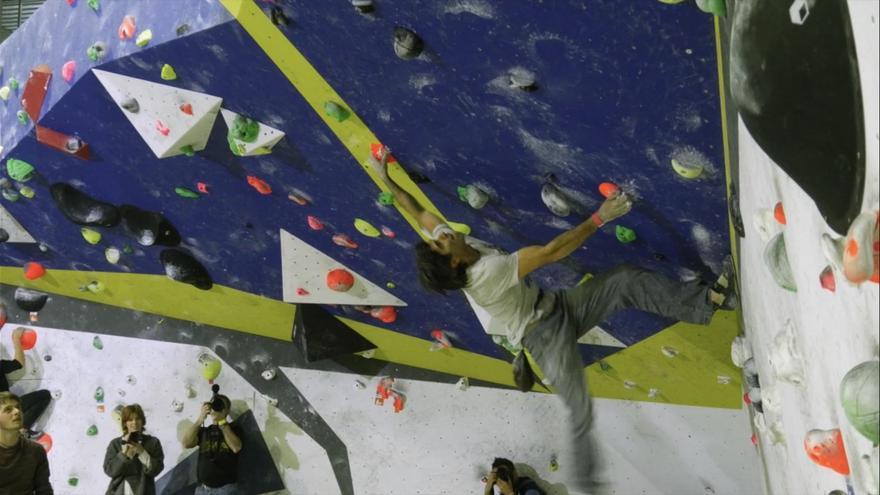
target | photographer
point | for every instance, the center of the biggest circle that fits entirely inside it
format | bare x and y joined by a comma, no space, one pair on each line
34,403
218,445
134,459
503,480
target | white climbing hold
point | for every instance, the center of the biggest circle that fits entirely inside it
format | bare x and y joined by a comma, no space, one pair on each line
268,374
629,384
723,379
764,223
463,383
785,358
740,351
176,406
668,351
112,254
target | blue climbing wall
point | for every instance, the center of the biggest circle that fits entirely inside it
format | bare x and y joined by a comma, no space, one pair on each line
623,88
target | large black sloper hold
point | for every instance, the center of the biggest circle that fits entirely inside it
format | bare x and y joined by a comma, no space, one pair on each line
30,300
148,227
795,79
82,209
182,267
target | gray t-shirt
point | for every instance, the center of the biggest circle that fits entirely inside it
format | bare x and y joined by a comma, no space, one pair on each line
494,286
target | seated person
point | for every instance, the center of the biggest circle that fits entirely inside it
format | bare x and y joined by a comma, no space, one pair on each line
24,469
503,480
133,460
34,403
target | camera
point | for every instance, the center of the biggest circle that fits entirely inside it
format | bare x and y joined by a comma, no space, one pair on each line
502,473
217,404
135,437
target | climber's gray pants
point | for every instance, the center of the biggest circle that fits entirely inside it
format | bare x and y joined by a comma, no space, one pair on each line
553,340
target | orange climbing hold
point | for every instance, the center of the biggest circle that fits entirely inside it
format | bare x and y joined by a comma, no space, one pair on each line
259,185
387,314
825,448
779,213
28,339
340,280
861,254
314,223
607,188
376,151
826,278
186,108
127,28
45,440
33,270
296,198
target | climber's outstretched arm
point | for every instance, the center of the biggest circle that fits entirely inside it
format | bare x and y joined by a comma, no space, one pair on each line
425,218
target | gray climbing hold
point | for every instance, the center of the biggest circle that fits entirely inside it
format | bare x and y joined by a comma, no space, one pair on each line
363,6
407,44
555,200
131,105
522,79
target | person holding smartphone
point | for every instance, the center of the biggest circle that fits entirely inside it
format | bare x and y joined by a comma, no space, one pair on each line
135,459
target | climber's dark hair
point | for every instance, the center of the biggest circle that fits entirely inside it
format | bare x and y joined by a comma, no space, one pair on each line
436,271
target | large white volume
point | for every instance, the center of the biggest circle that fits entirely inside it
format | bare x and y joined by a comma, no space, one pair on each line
160,119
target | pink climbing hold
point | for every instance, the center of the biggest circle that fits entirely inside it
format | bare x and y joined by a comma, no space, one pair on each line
302,292
186,108
202,187
826,278
161,128
314,223
747,399
340,280
45,440
71,2
127,28
344,241
68,70
387,232
387,314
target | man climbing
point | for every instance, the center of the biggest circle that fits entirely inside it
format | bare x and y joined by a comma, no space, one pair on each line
34,403
547,324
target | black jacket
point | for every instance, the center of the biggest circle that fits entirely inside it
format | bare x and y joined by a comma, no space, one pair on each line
120,468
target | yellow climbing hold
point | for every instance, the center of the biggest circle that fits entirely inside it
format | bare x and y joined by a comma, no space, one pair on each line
4,93
211,366
364,227
27,192
459,227
168,73
144,38
91,236
688,171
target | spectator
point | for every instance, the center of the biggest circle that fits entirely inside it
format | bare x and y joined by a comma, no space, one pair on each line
133,460
24,469
219,445
504,480
34,403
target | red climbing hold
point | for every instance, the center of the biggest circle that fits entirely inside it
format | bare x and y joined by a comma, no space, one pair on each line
376,151
314,223
779,213
186,108
202,187
607,188
754,439
344,241
68,70
46,441
441,341
747,399
826,278
71,2
387,232
127,28
3,315
33,270
302,292
825,448
340,280
28,339
387,314
259,185
161,128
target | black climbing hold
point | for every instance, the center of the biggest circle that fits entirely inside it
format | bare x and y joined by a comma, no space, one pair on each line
148,227
30,300
131,105
660,257
802,104
248,225
363,6
4,236
82,209
279,18
182,267
735,216
182,29
407,44
320,335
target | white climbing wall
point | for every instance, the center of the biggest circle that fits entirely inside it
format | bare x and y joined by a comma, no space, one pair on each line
266,138
17,233
304,267
160,106
833,332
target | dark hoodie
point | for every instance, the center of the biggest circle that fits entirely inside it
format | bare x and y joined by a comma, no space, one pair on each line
24,469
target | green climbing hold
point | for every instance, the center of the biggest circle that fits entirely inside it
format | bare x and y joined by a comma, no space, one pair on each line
73,481
97,51
776,259
336,111
185,193
714,7
13,84
188,150
391,285
92,431
23,117
144,39
10,194
386,198
366,228
27,192
90,235
94,287
687,170
858,395
624,235
19,170
605,366
168,73
96,343
95,5
127,249
244,129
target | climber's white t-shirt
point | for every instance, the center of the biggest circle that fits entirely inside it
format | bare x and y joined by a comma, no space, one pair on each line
494,285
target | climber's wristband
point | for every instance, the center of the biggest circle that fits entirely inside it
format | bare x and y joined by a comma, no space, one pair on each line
597,220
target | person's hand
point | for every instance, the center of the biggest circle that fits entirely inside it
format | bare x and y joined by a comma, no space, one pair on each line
129,451
380,166
203,414
137,448
506,487
491,478
16,335
616,206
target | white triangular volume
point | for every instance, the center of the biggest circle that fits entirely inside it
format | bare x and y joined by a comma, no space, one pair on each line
597,336
304,278
160,108
266,138
16,232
